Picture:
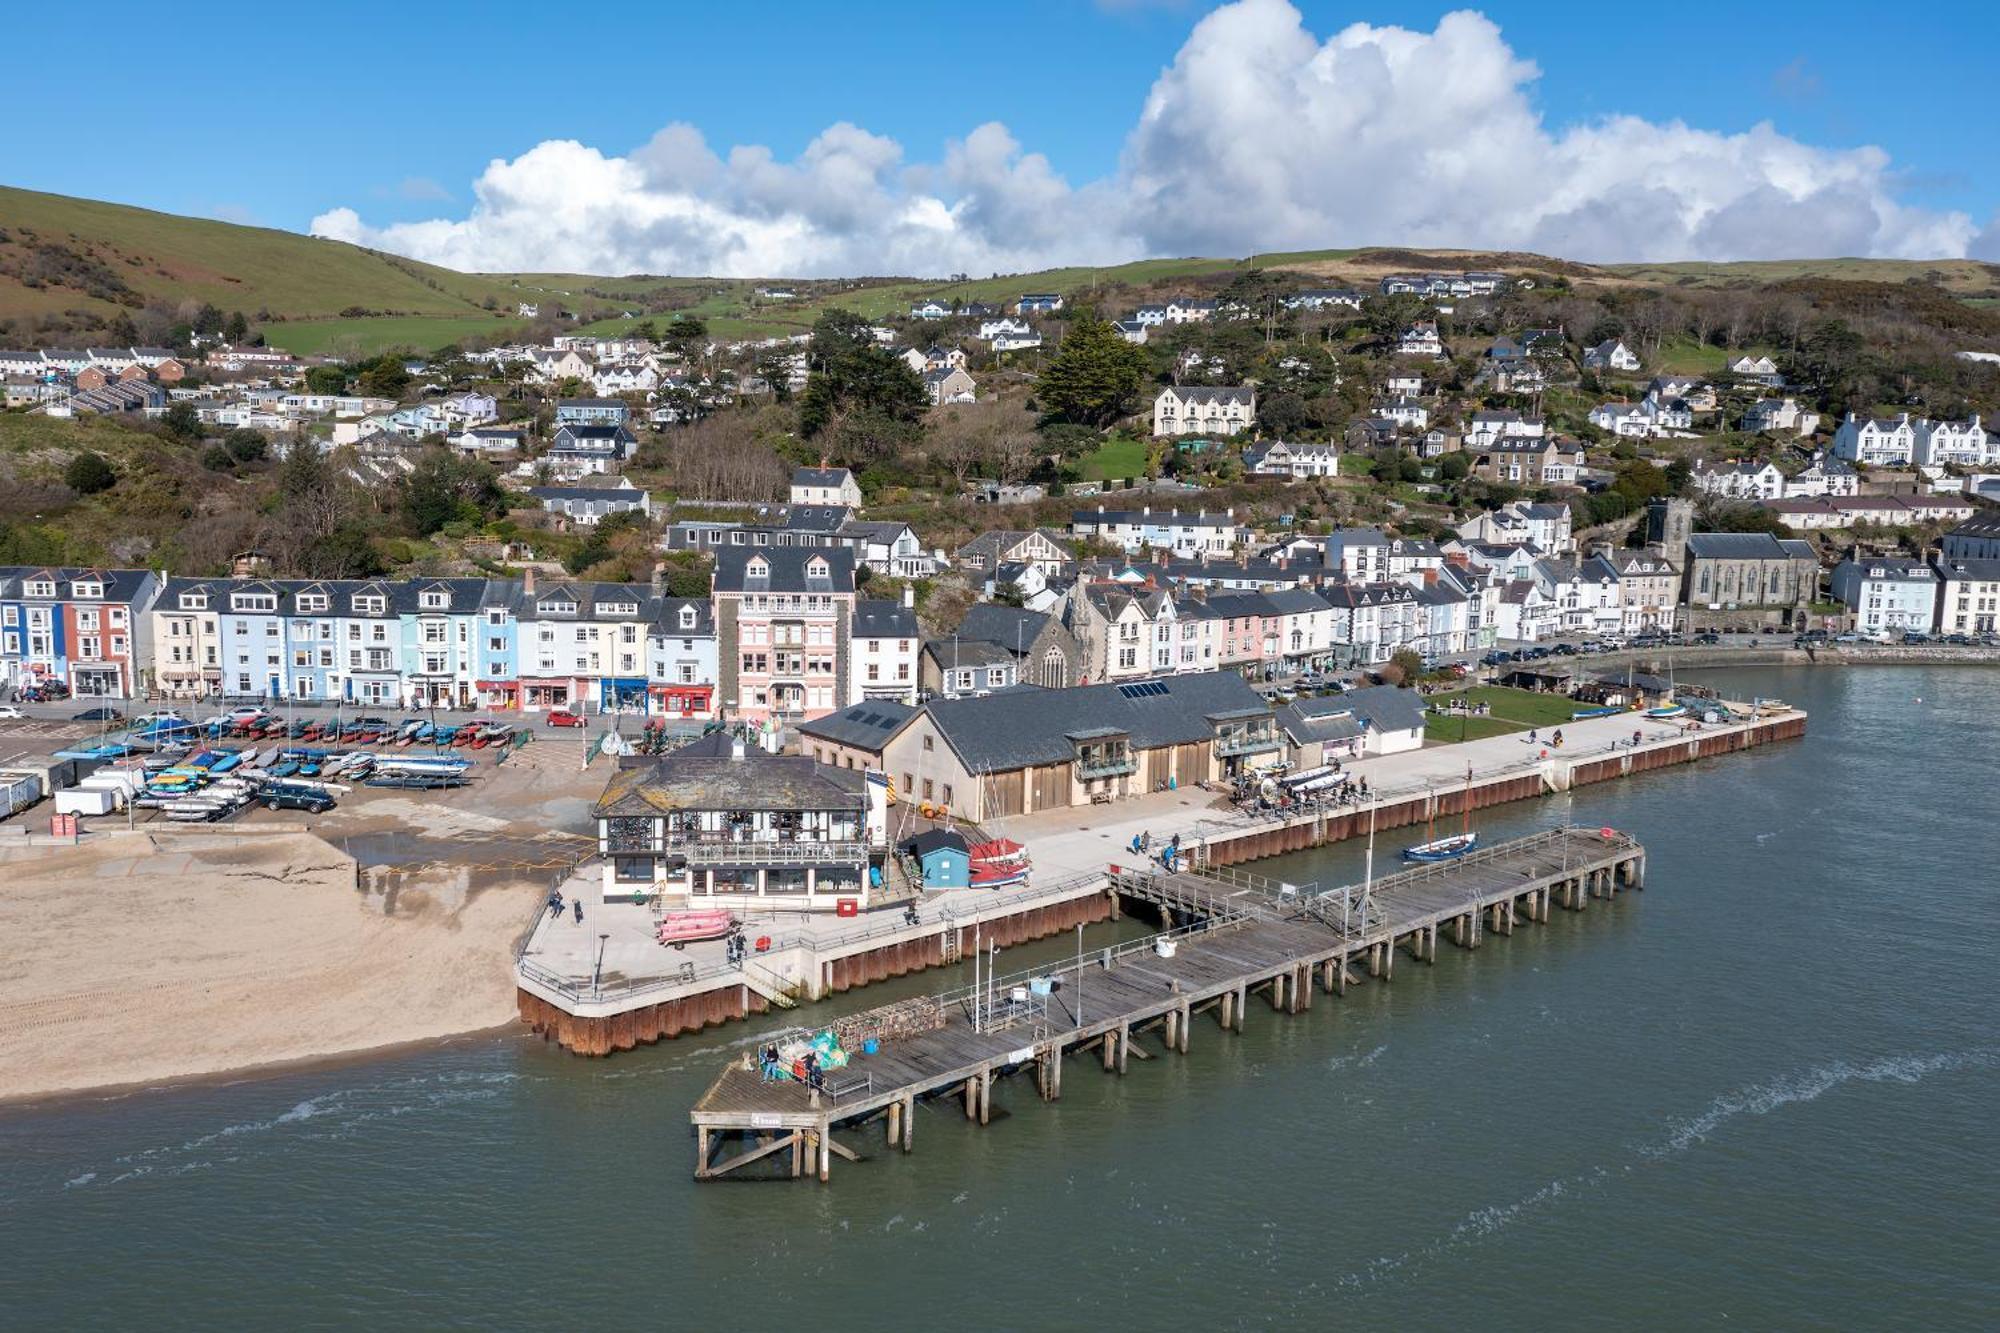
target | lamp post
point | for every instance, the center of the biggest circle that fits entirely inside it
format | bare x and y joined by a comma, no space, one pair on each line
597,977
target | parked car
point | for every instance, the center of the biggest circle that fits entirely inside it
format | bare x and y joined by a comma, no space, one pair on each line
247,713
562,717
284,796
99,714
10,712
1709,637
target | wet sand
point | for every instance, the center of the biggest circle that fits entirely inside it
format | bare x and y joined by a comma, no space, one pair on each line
153,956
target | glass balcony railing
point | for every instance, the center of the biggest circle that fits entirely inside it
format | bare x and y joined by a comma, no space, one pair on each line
1246,743
1106,766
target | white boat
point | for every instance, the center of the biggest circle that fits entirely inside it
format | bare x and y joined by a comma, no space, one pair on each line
1667,710
441,764
1443,849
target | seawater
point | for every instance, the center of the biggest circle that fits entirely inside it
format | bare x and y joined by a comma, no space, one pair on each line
1762,1093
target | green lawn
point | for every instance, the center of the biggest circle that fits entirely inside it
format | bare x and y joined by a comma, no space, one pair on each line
1513,710
343,336
1120,457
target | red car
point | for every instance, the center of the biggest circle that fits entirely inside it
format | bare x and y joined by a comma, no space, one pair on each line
562,717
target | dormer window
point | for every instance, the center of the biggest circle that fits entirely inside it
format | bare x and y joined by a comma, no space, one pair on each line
434,599
312,601
41,588
194,601
86,590
757,569
254,601
371,605
687,617
816,568
554,607
618,608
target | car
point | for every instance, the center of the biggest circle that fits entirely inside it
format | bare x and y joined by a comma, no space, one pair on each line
246,713
1709,637
562,717
1914,637
10,712
100,714
285,796
1959,640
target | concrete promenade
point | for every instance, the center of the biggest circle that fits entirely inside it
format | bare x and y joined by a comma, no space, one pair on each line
605,983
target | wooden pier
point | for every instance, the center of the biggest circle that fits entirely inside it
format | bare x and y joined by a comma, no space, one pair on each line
1230,935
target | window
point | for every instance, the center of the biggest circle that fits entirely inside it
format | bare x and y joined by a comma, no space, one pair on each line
312,601
928,745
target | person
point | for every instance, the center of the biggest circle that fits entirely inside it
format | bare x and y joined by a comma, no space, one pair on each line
910,913
1559,739
1135,844
556,903
1146,841
1177,843
578,905
1532,736
1635,738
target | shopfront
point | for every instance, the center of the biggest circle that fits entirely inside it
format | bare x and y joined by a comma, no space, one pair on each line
622,694
682,700
546,693
499,693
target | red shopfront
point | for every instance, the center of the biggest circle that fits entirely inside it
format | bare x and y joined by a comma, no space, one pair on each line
681,700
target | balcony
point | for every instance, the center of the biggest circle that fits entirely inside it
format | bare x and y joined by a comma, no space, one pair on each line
1105,766
1233,744
771,851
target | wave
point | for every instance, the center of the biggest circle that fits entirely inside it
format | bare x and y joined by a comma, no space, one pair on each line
1764,1098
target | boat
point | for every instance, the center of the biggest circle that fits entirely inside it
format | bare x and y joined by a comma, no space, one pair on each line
1000,863
1457,845
1442,849
1580,714
707,923
1667,710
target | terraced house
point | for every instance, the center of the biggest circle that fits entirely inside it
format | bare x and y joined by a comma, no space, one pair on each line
86,629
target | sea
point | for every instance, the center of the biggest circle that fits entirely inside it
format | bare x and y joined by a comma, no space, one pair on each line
1762,1093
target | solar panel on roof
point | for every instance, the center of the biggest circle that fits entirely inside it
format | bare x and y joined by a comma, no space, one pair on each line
1144,689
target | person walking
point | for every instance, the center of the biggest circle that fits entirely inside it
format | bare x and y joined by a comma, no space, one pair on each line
577,903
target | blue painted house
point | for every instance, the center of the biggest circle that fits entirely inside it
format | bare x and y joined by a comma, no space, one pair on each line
944,856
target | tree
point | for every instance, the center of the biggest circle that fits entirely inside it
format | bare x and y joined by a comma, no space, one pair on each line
217,458
236,329
1403,667
245,445
326,379
1454,467
442,488
686,335
855,389
1094,376
384,377
182,422
88,473
207,319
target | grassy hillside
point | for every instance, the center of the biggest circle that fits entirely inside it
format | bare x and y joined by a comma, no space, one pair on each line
63,253
59,254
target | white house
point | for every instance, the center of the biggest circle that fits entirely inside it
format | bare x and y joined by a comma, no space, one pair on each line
1876,441
930,309
1887,595
1420,339
1487,428
1016,342
1968,596
1005,326
1629,420
1825,475
1610,355
1204,410
1780,414
1741,481
1964,443
825,486
1760,368
1279,459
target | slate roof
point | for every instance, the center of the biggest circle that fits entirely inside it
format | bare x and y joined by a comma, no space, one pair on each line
1004,625
864,726
1015,728
978,654
705,776
819,476
1734,546
788,569
884,620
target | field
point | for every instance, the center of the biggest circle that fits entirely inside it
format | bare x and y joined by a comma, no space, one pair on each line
361,337
1961,277
1513,710
1120,457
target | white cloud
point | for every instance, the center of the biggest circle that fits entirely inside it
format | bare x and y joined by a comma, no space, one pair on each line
1259,136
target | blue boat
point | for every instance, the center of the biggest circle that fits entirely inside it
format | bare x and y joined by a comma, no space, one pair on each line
1580,714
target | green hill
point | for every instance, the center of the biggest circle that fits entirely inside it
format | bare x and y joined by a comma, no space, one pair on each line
69,267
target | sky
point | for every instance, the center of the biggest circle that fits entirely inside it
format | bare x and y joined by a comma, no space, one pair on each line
812,140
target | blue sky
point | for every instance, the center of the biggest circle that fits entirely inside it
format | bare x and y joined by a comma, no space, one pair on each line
276,114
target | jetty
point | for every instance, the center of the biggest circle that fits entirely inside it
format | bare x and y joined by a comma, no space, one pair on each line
606,985
1227,935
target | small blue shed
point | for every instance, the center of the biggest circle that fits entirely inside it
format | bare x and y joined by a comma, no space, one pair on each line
945,858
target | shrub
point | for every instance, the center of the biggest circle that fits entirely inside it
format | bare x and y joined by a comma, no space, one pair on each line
88,473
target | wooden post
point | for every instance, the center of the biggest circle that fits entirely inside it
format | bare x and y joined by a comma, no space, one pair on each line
985,1094
1340,974
972,1097
1186,1019
1124,1044
1242,1002
1302,991
895,1122
798,1153
909,1122
1388,963
825,1156
1109,1043
1173,1028
1055,1072
701,1153
1222,1012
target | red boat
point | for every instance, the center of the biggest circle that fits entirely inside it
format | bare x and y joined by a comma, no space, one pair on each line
703,923
999,864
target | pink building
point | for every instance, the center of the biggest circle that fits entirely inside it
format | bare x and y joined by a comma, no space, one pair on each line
784,618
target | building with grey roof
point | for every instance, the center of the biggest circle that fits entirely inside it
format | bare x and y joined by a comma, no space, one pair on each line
1029,749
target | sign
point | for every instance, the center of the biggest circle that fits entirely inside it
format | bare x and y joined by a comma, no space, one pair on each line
1022,1056
766,1120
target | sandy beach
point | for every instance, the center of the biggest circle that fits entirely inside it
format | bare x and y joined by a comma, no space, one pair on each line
151,956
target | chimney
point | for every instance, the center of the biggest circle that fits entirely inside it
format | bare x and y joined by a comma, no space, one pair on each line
659,577
528,581
909,595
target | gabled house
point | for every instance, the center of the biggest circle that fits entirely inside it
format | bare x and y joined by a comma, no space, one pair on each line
1204,410
1612,354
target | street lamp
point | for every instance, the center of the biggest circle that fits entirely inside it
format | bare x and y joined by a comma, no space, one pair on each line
597,977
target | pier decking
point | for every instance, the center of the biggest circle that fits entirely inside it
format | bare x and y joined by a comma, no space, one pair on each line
1229,935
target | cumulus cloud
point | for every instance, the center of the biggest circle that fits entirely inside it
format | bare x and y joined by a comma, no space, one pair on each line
1260,135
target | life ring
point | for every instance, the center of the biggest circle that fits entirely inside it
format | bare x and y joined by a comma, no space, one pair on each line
927,810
